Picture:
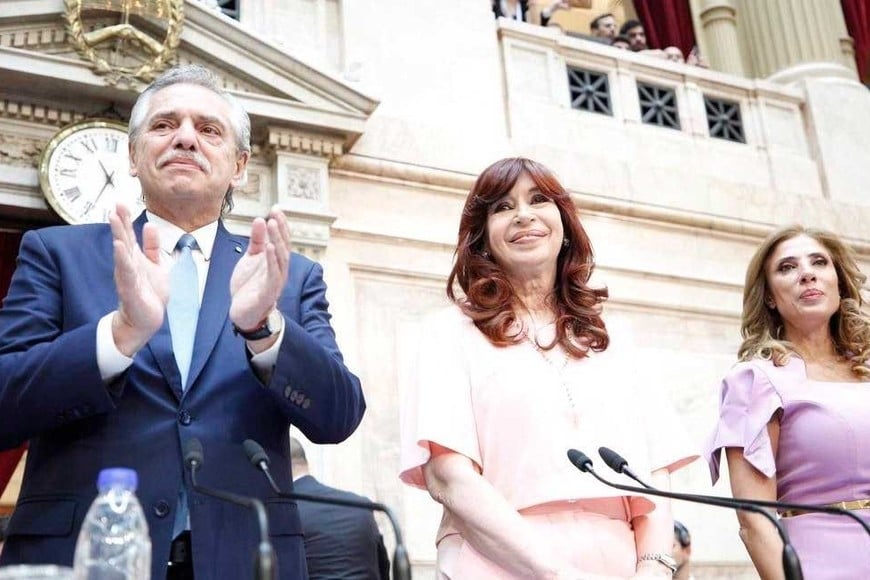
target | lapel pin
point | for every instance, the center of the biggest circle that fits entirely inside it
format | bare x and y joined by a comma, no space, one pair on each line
238,249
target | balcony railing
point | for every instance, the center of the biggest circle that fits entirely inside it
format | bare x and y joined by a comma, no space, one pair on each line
640,128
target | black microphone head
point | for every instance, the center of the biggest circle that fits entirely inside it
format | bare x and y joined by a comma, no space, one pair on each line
193,452
256,453
580,460
614,460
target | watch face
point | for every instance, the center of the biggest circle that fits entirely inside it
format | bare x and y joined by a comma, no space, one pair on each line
85,172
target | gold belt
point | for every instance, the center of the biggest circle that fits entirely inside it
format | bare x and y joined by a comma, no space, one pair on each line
856,504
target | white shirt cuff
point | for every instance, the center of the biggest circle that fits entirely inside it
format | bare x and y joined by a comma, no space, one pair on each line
110,360
265,361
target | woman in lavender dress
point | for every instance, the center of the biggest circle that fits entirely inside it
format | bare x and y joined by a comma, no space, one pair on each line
795,412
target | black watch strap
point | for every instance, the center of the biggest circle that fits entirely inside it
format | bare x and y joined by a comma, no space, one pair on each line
266,329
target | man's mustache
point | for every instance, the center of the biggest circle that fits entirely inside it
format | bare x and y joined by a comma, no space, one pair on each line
194,156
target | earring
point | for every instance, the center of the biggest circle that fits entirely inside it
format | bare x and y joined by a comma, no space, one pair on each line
485,255
565,242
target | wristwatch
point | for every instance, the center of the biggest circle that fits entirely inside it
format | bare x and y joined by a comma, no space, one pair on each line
271,325
663,559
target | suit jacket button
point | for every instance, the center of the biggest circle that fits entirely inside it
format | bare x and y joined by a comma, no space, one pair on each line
184,417
161,508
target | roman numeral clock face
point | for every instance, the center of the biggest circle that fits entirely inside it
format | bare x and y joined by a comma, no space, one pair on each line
85,171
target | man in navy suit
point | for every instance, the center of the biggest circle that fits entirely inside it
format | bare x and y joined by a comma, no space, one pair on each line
341,543
92,375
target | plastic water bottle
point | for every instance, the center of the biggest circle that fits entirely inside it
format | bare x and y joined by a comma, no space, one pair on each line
113,543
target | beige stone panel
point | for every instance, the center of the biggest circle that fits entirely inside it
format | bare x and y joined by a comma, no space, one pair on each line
783,128
646,288
391,209
527,72
309,29
684,356
441,90
839,113
714,263
719,159
389,310
794,174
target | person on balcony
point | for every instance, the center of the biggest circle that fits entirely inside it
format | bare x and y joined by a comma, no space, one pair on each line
634,31
604,27
519,10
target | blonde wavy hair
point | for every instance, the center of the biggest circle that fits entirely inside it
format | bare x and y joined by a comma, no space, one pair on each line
762,327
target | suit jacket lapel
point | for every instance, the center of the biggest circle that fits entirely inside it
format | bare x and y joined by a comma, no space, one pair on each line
215,305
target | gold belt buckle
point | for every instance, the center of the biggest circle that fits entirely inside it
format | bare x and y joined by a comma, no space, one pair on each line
856,504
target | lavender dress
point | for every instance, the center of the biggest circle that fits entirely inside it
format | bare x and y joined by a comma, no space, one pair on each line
823,456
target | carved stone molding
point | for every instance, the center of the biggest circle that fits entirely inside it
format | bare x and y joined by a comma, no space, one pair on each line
43,114
302,183
41,36
19,151
310,233
296,141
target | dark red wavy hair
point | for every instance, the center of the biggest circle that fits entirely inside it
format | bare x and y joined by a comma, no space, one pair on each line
489,297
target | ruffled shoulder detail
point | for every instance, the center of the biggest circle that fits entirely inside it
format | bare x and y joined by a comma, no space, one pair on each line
750,395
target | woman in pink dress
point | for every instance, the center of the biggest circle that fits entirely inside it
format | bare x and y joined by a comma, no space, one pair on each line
795,412
511,377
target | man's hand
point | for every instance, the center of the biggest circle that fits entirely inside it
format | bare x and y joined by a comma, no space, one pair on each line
555,6
142,281
261,274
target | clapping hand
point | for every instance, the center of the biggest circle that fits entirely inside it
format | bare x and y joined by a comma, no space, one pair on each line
261,274
142,282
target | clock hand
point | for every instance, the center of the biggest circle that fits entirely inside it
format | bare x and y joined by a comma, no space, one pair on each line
91,204
110,177
106,173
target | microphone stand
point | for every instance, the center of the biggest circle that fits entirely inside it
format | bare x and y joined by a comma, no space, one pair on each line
790,562
265,564
618,464
401,565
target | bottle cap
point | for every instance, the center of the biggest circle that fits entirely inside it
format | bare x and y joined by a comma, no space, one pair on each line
118,476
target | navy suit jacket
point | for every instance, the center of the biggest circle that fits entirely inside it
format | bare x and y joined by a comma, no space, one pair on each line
341,543
51,394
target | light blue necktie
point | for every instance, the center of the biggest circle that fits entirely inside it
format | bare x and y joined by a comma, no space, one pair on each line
183,312
183,307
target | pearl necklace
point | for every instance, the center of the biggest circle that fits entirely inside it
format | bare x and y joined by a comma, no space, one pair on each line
559,369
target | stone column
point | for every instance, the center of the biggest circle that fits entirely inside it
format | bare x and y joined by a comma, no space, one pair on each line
719,26
786,34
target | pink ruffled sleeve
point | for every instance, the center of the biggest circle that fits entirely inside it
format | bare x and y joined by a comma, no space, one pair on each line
437,407
747,402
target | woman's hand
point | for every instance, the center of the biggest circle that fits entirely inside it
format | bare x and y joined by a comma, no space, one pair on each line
486,520
652,571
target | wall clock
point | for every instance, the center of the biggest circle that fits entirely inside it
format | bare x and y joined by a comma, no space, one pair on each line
85,170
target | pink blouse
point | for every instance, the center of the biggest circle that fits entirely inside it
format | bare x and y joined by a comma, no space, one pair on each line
508,410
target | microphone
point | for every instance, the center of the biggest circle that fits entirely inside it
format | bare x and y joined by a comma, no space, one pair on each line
265,563
401,565
790,563
618,464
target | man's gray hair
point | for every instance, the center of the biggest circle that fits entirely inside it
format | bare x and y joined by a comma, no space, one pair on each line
194,74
